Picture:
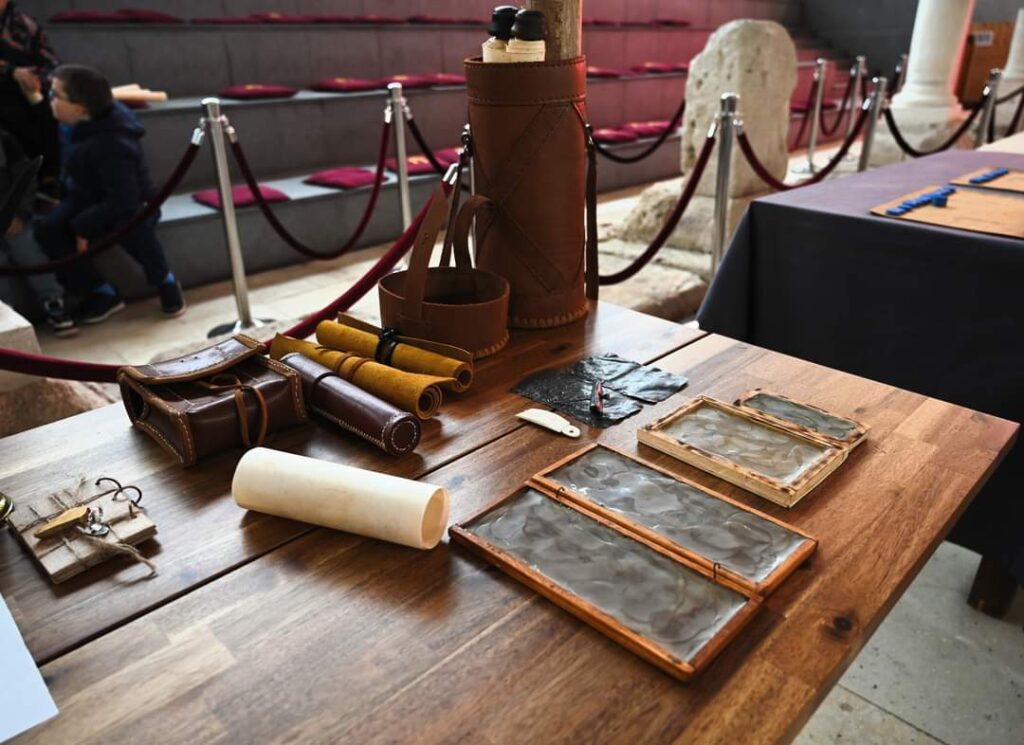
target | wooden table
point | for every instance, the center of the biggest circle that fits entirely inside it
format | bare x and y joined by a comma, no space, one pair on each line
263,630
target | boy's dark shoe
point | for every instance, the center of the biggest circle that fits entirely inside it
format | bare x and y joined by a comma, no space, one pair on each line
61,324
100,306
172,300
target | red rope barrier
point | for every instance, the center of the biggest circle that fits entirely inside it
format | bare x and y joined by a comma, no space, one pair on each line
28,363
808,111
672,126
673,219
766,176
421,142
282,232
108,242
844,110
910,150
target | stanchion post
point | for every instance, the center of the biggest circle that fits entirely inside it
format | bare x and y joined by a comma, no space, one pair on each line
897,84
815,114
990,94
725,124
396,106
877,100
216,122
855,101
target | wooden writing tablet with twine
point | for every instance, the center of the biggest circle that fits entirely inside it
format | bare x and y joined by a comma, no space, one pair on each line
71,551
977,210
1013,180
746,448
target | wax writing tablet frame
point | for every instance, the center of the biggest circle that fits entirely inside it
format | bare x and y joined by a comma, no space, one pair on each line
618,545
689,434
839,431
703,513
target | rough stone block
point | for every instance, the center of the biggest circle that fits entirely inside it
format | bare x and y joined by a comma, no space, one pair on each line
15,333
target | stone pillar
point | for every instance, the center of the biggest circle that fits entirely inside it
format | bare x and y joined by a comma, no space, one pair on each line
16,333
925,109
757,61
1013,74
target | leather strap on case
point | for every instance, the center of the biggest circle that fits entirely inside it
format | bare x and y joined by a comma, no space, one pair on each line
230,382
419,262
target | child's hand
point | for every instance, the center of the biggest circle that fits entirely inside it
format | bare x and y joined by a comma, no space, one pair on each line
17,225
28,80
81,244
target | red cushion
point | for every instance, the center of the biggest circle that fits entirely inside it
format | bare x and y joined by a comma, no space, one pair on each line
377,19
676,22
342,178
445,78
593,71
257,90
448,155
345,85
681,67
133,15
599,22
435,20
416,165
408,81
610,134
654,67
276,17
242,196
218,20
646,129
330,18
86,16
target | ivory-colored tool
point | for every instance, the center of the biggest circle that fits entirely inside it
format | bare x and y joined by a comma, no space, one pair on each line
63,521
549,420
355,500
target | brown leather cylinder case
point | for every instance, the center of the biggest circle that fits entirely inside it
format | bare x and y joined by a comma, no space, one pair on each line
335,399
527,127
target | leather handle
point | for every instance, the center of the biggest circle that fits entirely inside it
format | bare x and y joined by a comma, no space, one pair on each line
464,223
416,276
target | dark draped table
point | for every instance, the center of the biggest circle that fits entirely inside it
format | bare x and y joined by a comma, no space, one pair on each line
939,311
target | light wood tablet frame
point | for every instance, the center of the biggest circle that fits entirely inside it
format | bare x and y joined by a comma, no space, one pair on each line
849,444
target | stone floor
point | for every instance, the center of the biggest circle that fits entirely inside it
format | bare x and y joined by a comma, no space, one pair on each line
934,672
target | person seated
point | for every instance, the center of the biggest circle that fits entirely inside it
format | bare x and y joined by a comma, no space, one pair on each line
19,248
105,183
26,62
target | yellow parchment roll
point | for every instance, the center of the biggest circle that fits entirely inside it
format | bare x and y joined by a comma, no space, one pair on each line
406,357
355,500
418,394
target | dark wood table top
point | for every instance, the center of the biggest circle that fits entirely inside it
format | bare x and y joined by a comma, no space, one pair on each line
262,630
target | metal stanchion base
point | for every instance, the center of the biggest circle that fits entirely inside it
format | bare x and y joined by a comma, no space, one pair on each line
807,169
236,327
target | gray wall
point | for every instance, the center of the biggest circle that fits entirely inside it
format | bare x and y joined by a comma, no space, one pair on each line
881,29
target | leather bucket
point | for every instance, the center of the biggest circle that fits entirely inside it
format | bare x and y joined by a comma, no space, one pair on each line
460,305
527,122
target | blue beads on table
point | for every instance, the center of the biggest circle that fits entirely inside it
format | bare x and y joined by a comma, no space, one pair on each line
936,198
992,175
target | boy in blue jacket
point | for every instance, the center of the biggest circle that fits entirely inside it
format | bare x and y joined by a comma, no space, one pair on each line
106,181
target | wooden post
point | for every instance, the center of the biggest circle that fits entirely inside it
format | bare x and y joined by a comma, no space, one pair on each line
565,27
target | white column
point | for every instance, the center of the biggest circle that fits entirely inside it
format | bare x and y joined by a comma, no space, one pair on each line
936,50
1013,73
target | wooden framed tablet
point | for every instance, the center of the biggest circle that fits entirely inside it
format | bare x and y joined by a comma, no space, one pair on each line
805,418
722,536
746,448
1013,180
977,210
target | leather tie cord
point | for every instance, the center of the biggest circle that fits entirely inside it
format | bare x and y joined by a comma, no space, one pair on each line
282,232
673,219
671,127
765,175
149,209
230,382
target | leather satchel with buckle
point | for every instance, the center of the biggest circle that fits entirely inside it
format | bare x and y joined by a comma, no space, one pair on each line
223,397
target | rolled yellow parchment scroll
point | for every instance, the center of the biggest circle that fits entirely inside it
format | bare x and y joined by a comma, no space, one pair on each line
410,513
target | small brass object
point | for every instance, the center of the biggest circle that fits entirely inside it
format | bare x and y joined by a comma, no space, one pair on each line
65,520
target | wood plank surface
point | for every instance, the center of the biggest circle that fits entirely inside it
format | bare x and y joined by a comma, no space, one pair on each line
202,533
334,638
975,210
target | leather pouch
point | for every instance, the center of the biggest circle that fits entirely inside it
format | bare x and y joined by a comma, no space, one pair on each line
335,399
530,142
216,399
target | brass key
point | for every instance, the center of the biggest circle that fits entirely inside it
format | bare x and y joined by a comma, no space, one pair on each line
63,521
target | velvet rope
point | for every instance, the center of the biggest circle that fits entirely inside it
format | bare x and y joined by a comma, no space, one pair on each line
843,112
673,219
282,232
107,242
910,150
807,114
28,363
765,175
672,126
421,142
1015,122
1012,94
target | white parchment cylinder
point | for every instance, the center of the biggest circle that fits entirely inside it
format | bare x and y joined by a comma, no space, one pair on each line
315,491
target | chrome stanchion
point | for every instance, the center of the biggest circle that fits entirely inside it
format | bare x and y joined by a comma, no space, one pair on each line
467,142
877,99
901,74
815,114
218,127
856,100
725,125
990,94
397,106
